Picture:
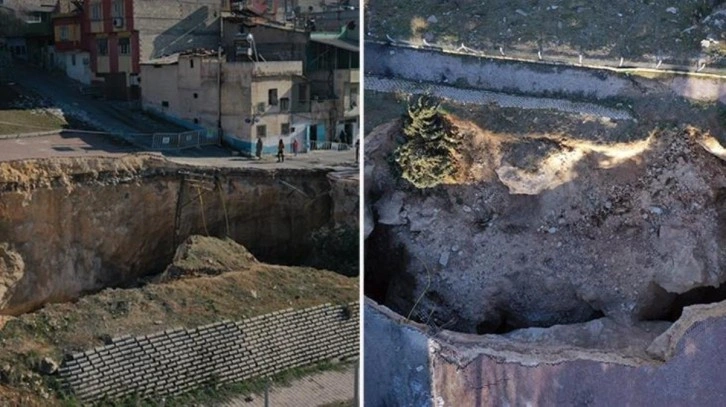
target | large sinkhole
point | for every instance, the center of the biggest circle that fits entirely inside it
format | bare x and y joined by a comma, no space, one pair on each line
78,231
540,280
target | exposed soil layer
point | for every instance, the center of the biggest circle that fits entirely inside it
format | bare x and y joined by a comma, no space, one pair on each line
543,230
73,226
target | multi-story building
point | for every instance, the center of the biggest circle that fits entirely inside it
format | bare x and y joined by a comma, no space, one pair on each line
27,29
257,99
71,54
120,34
333,69
273,81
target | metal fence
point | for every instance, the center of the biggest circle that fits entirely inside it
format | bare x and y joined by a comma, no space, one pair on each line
179,141
328,145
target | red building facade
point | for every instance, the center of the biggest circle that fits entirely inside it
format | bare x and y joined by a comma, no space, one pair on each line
110,37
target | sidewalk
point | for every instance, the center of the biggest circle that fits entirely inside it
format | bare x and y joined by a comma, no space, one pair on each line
313,391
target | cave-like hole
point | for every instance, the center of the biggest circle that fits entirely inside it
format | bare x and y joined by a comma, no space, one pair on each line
700,295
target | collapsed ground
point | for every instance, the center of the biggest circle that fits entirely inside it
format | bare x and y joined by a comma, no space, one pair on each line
609,227
675,31
73,229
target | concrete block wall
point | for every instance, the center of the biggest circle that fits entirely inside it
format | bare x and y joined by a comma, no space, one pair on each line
178,360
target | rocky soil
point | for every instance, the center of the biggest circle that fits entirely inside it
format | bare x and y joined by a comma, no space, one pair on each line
644,31
544,230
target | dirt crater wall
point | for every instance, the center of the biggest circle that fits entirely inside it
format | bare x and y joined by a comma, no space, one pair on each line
67,231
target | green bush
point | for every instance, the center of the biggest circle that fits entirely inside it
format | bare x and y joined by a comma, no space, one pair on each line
426,158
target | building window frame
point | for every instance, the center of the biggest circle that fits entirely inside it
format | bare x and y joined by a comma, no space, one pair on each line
33,18
284,104
285,129
124,46
272,98
96,11
261,130
302,92
118,8
64,33
102,47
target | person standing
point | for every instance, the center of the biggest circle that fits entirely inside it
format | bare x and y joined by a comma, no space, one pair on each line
294,147
280,152
258,150
357,149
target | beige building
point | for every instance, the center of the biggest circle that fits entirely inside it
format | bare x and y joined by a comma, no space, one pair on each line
265,100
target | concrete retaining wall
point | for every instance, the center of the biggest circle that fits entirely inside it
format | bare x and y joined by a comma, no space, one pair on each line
540,79
179,360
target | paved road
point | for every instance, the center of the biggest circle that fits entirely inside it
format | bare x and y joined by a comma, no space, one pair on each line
482,97
87,145
312,391
62,146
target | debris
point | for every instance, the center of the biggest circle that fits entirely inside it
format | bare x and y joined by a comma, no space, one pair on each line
552,230
521,12
444,258
656,210
432,19
47,366
672,10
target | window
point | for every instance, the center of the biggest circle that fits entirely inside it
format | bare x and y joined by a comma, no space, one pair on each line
196,96
261,131
272,97
191,63
64,34
33,18
164,103
302,92
285,129
284,104
73,59
118,8
102,46
96,11
124,46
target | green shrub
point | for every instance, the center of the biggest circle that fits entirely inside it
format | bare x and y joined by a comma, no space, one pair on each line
426,158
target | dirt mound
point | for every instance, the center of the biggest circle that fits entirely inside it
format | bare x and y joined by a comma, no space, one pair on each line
202,255
549,230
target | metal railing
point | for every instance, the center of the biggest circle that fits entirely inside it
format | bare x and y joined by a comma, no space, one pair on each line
328,145
180,141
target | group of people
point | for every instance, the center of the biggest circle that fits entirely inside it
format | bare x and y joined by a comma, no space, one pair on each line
295,146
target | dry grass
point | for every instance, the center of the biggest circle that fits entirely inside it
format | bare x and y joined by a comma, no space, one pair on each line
638,30
14,120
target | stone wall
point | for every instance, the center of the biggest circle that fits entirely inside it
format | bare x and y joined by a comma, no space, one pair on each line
179,360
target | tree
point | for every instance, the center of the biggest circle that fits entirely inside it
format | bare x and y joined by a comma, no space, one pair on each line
426,158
